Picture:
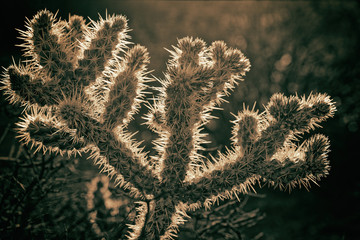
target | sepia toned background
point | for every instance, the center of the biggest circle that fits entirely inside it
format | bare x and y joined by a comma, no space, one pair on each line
293,46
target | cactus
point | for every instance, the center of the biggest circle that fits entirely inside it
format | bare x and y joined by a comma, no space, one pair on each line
81,85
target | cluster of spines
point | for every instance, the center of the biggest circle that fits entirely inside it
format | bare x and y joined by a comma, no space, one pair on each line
100,85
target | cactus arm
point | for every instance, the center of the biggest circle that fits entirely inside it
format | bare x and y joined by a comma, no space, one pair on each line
289,117
80,111
288,169
21,86
102,38
293,167
127,87
130,161
191,88
229,66
43,46
181,113
74,30
49,72
265,149
178,108
46,133
120,151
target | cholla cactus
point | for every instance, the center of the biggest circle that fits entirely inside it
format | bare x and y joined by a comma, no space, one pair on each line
81,92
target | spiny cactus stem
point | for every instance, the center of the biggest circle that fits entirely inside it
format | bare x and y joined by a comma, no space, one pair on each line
129,164
98,50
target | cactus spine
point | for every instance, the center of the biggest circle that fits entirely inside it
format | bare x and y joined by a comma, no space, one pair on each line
82,84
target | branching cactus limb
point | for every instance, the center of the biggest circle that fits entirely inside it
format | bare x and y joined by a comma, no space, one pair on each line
82,85
264,148
59,83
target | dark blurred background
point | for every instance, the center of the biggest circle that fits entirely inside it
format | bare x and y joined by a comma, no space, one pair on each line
293,46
